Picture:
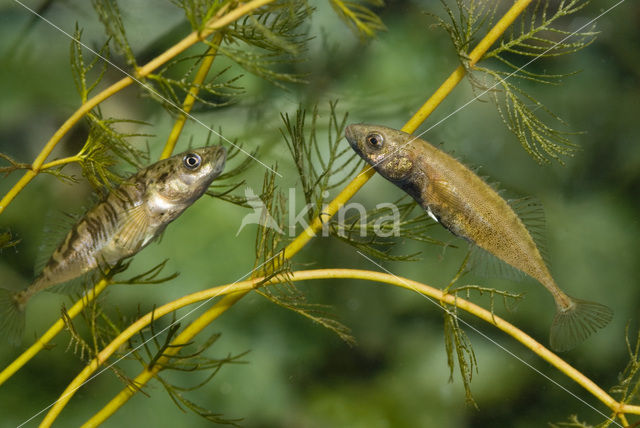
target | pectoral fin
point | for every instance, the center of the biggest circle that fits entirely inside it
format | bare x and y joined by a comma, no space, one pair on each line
444,204
132,234
446,194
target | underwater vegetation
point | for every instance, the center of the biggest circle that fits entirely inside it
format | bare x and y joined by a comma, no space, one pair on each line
119,118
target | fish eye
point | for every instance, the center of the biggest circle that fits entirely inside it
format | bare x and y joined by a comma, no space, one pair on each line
191,160
375,140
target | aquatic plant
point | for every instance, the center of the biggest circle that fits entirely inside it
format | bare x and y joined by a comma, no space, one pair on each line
494,42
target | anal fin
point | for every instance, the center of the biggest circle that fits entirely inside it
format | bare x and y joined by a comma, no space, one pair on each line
485,264
76,285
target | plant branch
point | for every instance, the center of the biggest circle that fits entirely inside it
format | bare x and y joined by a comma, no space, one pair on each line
148,373
476,54
59,162
189,100
193,38
233,293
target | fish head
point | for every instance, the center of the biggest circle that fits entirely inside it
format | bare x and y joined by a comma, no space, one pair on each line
183,178
389,151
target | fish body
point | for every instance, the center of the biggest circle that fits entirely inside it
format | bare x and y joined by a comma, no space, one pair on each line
128,219
468,207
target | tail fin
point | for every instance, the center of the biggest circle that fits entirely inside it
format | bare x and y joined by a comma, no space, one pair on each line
575,324
12,317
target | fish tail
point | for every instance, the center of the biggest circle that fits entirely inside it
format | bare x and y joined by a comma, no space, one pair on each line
575,323
12,317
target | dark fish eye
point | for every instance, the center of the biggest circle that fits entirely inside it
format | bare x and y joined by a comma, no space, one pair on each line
191,160
375,140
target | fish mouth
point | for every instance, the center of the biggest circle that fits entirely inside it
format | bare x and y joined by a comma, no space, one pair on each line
351,134
348,133
221,160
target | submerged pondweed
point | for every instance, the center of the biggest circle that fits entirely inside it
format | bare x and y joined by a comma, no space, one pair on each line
468,207
128,219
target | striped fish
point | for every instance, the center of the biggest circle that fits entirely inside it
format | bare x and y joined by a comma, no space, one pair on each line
128,219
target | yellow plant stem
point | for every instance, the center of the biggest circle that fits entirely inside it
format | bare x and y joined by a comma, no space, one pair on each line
52,332
328,212
214,24
623,419
190,99
59,162
235,291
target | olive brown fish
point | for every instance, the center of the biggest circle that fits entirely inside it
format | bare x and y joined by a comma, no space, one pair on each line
128,219
468,207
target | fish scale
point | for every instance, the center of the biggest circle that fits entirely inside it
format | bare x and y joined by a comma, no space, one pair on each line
128,219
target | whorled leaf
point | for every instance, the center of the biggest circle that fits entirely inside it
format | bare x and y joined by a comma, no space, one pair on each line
465,24
111,17
509,300
270,263
359,17
81,70
224,187
539,33
184,404
321,165
266,42
378,231
277,28
290,297
268,255
105,143
95,332
459,349
218,91
104,146
199,12
186,360
574,422
628,387
97,328
264,65
521,113
150,276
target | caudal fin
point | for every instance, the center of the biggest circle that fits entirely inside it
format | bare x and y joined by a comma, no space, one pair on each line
575,324
11,318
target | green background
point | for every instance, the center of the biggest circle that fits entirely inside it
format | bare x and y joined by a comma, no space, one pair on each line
298,374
